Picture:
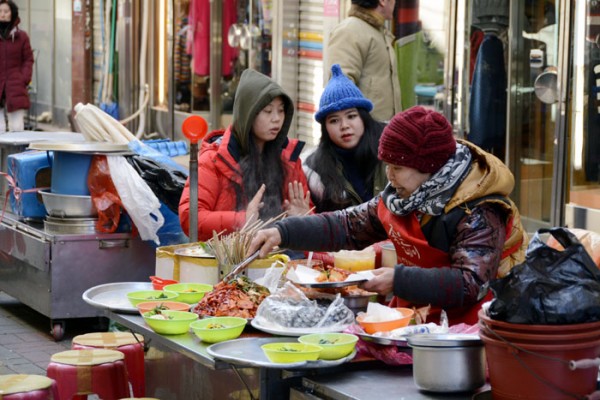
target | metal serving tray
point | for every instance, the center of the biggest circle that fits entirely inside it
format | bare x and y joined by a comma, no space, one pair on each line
113,296
386,341
81,147
247,352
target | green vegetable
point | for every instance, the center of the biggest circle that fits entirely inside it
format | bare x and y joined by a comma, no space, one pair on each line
290,349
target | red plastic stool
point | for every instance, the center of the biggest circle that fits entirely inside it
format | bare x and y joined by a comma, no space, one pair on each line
83,372
130,344
27,387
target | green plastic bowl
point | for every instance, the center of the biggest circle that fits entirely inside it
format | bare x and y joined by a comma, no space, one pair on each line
149,295
218,329
190,293
335,345
179,324
291,352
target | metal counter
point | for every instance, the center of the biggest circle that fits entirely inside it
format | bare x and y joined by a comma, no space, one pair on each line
50,272
179,367
382,383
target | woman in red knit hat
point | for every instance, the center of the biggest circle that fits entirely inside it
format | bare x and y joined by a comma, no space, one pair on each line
446,209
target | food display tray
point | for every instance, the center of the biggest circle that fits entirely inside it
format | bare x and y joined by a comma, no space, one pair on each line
273,330
386,341
113,296
247,352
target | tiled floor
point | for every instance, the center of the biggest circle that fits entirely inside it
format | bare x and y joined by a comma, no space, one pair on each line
25,340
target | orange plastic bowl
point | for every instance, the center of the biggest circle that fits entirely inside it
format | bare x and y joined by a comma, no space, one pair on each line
386,326
169,305
160,283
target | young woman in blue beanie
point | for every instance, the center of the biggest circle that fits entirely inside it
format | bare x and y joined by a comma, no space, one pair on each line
344,170
446,210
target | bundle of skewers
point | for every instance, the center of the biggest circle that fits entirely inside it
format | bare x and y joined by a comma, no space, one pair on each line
230,249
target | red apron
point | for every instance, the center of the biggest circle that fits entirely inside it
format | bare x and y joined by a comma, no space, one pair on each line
412,249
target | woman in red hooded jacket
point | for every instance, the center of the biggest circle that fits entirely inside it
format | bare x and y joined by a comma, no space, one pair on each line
252,169
16,62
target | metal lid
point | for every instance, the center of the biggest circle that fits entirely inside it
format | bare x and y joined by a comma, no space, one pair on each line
445,340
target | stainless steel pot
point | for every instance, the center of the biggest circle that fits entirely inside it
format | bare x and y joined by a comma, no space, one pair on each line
448,362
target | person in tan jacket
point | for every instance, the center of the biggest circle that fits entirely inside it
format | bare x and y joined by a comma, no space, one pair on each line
364,49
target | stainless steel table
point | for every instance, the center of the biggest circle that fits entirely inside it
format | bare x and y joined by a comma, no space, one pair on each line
179,367
380,383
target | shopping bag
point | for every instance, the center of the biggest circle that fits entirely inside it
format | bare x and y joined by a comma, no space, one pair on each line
551,287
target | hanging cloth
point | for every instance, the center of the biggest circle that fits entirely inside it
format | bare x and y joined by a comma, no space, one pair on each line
487,110
198,44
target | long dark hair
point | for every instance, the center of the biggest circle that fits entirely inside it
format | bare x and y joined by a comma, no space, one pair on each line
258,168
324,159
14,10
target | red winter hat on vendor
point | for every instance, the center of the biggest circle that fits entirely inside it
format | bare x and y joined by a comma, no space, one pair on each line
417,138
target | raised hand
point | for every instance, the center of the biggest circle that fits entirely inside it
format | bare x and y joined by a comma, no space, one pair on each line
253,209
299,202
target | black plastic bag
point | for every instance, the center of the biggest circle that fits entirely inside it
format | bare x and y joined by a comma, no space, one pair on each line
551,287
164,181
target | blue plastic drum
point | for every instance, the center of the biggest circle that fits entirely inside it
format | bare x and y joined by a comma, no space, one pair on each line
70,173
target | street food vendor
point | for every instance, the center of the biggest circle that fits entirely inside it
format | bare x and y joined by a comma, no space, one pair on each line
446,210
252,169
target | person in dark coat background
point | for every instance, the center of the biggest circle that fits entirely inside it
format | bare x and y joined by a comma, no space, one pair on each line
16,63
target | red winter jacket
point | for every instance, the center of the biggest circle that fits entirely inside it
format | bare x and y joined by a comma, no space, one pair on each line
217,169
16,62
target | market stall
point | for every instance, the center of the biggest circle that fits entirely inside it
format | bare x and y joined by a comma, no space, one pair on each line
50,251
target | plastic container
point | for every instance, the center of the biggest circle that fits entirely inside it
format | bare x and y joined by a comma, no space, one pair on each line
30,170
352,260
194,269
70,173
335,345
218,329
386,326
388,255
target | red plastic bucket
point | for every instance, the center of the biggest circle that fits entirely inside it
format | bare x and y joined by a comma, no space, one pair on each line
528,371
538,338
539,329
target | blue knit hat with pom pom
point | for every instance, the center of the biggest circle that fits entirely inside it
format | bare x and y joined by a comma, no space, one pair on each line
340,94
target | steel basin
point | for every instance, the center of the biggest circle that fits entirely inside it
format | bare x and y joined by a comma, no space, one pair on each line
68,206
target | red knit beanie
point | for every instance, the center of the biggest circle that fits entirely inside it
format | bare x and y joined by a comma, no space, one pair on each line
417,138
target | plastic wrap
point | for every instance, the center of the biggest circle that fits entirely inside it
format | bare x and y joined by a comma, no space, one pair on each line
290,308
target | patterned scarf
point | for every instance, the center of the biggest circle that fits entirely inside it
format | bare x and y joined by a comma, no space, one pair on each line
433,194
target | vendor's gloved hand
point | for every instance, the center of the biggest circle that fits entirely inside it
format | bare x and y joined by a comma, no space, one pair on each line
264,240
382,283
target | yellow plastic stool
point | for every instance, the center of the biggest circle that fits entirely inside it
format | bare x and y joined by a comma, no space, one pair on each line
27,387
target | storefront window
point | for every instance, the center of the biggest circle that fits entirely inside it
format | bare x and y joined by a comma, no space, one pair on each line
585,114
245,42
421,30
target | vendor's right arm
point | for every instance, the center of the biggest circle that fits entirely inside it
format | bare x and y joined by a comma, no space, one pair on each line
216,202
353,229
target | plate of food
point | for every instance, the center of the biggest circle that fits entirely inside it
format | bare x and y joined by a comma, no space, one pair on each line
239,297
326,277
